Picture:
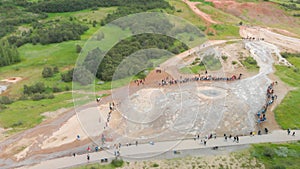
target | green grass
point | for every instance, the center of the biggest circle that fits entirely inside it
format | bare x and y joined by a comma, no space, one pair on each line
287,113
225,31
277,155
116,163
29,112
96,166
192,69
219,15
250,64
186,13
203,2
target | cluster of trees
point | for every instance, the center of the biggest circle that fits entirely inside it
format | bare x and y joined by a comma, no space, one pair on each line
136,6
79,74
49,72
70,5
12,16
8,53
77,5
291,6
50,32
37,91
127,47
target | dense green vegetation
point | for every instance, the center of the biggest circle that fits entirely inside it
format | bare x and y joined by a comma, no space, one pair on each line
129,46
12,16
8,53
53,31
277,156
287,113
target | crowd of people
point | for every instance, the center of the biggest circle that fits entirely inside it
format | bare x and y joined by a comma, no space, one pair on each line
206,77
252,38
271,97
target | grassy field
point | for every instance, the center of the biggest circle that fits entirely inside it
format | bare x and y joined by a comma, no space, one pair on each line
287,113
183,11
277,155
25,114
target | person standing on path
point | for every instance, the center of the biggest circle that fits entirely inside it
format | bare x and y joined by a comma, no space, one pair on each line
293,133
288,131
88,157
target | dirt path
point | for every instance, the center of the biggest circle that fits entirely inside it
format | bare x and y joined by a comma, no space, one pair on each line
193,6
285,42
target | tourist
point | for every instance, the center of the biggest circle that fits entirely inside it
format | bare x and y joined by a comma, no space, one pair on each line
288,131
237,139
293,134
266,130
88,157
204,142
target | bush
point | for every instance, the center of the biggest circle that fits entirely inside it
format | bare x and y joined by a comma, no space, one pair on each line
67,77
56,89
155,165
38,96
47,72
234,62
5,100
117,162
55,70
269,152
78,48
224,58
19,123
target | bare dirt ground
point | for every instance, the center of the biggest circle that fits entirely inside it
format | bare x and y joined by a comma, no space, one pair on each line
265,13
203,15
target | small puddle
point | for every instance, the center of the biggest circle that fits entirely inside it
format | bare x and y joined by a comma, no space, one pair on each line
211,92
2,88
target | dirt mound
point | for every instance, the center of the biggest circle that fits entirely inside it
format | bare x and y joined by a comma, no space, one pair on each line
266,13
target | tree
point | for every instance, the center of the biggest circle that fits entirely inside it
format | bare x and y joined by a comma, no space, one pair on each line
78,48
47,72
55,70
8,53
68,76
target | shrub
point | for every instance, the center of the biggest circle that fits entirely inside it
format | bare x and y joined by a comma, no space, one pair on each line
155,165
117,162
5,100
234,62
78,48
38,96
55,70
269,152
16,124
224,58
47,72
56,89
